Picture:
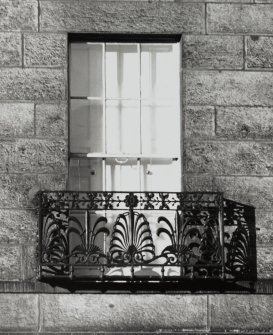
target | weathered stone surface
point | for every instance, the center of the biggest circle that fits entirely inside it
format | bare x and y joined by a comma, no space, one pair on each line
255,191
30,84
51,120
18,156
45,49
30,262
134,17
10,263
244,122
241,158
43,156
120,312
259,52
240,18
228,88
199,121
52,156
241,312
19,312
17,226
19,15
264,222
198,183
265,262
52,182
10,49
16,119
14,190
212,52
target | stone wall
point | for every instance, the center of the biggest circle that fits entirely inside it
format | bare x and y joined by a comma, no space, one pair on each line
227,97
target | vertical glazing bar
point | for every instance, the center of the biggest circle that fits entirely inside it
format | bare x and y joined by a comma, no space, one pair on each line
104,132
140,116
104,95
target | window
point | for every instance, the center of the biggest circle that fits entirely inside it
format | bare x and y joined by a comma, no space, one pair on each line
125,116
125,218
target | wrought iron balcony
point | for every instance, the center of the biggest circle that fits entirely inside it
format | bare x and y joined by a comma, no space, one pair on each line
144,236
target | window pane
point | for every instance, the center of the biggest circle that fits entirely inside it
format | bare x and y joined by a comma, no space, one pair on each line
160,127
122,126
122,71
160,175
122,174
86,174
159,71
86,126
86,70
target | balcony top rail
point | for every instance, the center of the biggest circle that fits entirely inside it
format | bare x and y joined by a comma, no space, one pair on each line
123,200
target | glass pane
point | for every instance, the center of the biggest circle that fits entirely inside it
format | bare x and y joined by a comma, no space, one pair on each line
86,70
86,174
122,71
160,132
122,174
122,126
86,126
160,174
160,71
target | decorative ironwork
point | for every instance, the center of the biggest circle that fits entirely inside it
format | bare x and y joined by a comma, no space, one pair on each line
240,241
134,236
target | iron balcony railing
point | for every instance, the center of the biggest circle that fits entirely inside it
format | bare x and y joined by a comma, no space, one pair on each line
144,236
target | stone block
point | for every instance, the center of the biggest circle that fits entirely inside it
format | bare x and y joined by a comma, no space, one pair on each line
15,190
244,122
19,15
115,17
241,313
228,88
265,262
18,226
51,120
121,312
255,191
54,182
45,49
213,52
18,156
239,18
32,84
52,156
235,158
30,262
264,222
199,121
16,119
259,53
198,183
10,262
19,312
10,49
43,156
